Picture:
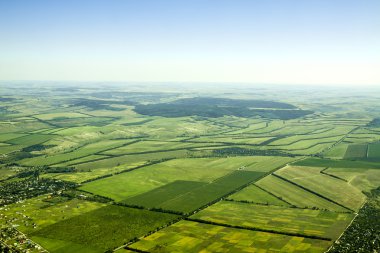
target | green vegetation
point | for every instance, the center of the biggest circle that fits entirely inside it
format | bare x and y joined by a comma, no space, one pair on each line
335,190
188,236
122,186
91,170
315,162
209,193
295,195
356,151
102,229
255,194
323,224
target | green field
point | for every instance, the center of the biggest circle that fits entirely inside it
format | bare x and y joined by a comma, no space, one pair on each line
295,195
208,193
334,189
232,169
374,151
122,186
356,151
315,162
295,221
255,194
102,229
188,236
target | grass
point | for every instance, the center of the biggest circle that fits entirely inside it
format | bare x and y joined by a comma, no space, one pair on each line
125,185
189,236
356,151
280,219
254,194
105,228
295,195
332,188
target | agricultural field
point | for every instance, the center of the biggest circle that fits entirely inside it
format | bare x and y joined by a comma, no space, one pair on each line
189,236
332,189
322,224
128,170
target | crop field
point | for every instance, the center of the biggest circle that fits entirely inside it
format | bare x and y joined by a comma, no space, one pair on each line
124,169
323,224
188,236
122,186
315,162
211,192
37,213
363,179
111,226
356,151
334,189
374,151
295,195
255,194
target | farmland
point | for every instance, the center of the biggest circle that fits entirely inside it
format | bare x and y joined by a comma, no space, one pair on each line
125,171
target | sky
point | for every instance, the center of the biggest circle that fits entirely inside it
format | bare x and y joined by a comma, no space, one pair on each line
323,42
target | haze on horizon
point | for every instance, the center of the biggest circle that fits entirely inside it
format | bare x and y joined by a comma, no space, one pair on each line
273,41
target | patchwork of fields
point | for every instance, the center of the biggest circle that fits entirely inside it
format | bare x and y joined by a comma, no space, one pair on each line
98,172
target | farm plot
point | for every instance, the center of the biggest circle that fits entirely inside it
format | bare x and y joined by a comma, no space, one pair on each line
324,224
208,193
295,195
356,151
329,187
51,116
363,179
254,194
43,211
160,195
188,236
233,139
374,151
122,186
336,152
316,162
154,146
31,139
102,229
10,136
86,150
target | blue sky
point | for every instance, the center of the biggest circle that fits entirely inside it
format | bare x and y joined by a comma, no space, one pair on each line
268,41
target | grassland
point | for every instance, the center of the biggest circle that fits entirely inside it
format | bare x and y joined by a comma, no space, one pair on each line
188,236
295,221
